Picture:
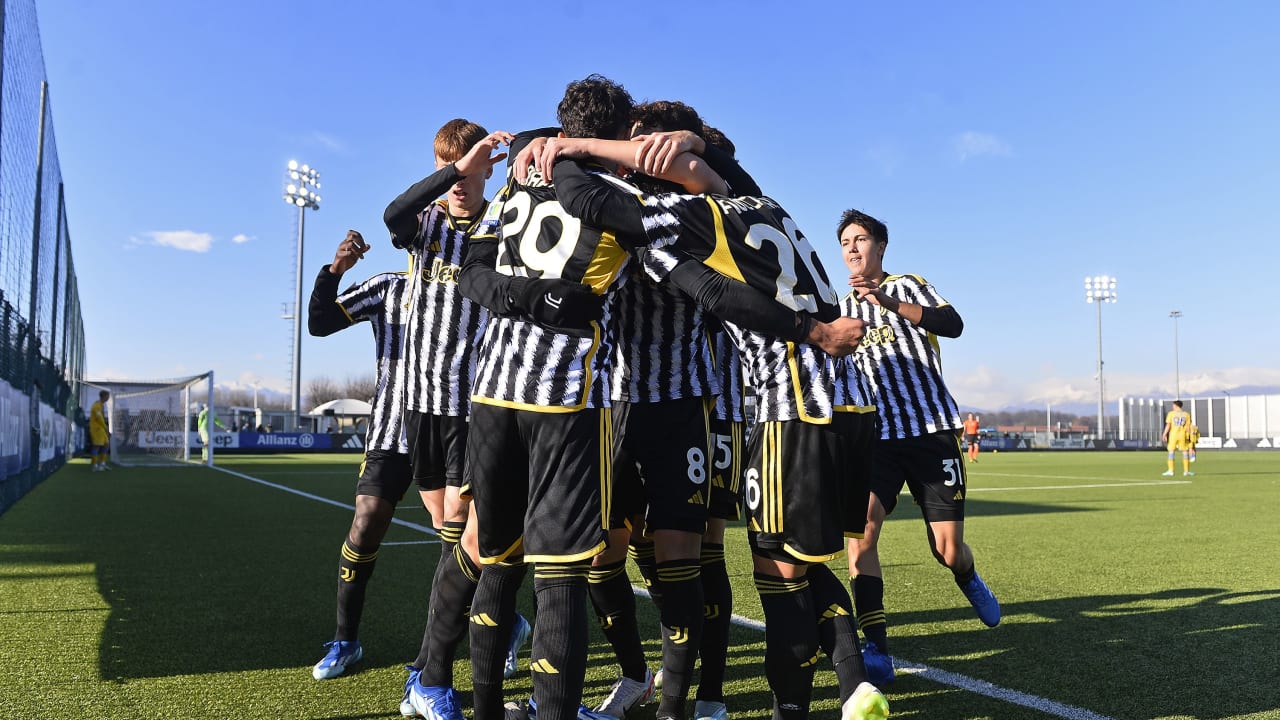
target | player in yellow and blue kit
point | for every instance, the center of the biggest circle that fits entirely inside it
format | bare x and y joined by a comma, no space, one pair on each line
1177,436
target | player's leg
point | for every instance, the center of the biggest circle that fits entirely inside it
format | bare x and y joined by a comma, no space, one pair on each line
497,472
426,458
866,576
669,441
790,633
569,487
457,573
794,500
384,477
938,481
717,593
610,587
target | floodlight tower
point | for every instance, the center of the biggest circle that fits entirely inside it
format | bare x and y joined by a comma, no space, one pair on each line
300,191
1177,378
1100,289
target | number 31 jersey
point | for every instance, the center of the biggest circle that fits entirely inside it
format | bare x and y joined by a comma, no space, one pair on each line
525,365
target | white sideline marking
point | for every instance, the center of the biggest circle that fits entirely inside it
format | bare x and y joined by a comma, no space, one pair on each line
943,677
325,500
412,542
1073,487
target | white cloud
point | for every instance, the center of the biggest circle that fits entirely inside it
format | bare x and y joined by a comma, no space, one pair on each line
186,240
241,238
972,144
327,141
988,389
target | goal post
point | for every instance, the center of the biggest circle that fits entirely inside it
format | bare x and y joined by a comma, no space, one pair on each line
160,422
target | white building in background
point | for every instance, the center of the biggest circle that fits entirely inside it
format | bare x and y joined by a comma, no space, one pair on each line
1227,421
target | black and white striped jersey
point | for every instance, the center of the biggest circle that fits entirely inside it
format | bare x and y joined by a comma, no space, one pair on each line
661,346
381,301
790,381
853,387
522,364
728,366
902,362
749,239
445,328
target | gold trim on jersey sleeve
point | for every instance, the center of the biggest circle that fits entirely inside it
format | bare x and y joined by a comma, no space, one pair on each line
721,258
344,312
605,265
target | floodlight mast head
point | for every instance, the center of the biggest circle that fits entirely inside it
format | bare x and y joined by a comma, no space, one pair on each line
301,191
1100,288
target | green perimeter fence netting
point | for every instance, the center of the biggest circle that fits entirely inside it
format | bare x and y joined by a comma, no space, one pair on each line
42,347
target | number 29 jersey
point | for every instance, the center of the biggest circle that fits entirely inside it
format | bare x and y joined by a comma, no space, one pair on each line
525,365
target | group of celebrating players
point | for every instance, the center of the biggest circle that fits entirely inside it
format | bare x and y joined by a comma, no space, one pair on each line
562,373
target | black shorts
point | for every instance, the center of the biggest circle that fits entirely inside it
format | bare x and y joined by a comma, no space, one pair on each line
806,486
384,474
931,466
970,439
437,449
664,464
540,482
727,446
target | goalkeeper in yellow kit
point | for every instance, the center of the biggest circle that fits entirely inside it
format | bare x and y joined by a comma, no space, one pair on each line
1177,436
99,433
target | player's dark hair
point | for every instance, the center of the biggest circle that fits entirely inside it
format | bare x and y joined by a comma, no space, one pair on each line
595,107
874,227
103,393
713,136
456,137
664,116
1177,404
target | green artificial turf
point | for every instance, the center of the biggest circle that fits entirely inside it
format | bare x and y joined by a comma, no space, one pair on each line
161,593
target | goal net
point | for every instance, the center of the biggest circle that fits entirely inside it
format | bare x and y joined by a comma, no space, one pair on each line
157,423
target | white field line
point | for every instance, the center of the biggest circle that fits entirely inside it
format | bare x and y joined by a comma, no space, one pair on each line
982,473
325,500
354,475
943,677
956,680
1073,487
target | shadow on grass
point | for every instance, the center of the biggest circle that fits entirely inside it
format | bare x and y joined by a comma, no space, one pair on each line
1161,654
207,573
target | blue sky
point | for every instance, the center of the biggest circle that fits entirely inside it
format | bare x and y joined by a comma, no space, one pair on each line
1012,148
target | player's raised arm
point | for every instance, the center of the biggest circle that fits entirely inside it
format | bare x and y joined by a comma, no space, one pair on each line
685,169
324,315
401,216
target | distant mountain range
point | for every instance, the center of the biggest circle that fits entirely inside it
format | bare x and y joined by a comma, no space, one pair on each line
1112,405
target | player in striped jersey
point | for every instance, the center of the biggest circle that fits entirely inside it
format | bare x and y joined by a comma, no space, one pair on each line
385,474
918,445
538,459
805,489
445,328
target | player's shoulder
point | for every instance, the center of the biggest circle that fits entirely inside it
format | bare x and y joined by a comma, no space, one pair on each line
907,279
